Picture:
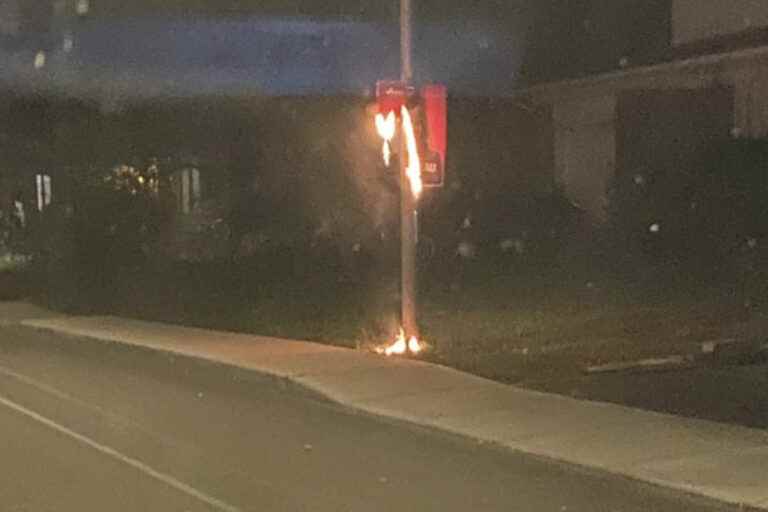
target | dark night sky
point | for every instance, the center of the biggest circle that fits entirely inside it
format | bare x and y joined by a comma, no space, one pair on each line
368,10
546,39
364,10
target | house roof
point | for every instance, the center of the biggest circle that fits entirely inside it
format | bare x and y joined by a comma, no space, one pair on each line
642,76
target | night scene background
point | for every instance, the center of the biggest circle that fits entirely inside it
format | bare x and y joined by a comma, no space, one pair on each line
215,163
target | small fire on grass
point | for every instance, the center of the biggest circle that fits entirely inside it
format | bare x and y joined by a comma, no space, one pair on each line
401,346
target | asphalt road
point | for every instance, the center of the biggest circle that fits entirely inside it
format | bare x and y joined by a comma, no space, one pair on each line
86,426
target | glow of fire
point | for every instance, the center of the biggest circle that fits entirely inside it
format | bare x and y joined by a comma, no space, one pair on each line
386,127
414,345
413,171
401,346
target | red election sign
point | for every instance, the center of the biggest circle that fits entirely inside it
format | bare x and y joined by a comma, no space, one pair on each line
435,101
392,95
430,113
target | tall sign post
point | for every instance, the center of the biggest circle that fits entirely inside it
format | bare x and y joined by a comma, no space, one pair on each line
422,116
408,205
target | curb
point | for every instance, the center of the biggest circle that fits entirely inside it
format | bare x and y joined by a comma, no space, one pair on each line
538,447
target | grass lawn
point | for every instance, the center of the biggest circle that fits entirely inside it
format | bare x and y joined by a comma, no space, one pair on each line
519,329
553,333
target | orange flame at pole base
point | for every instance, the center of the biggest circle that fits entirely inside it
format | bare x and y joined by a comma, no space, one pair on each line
414,345
401,346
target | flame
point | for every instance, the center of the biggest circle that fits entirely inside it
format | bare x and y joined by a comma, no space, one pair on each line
386,127
414,345
399,347
402,346
413,171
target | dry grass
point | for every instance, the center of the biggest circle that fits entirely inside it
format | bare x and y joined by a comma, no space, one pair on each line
553,331
509,329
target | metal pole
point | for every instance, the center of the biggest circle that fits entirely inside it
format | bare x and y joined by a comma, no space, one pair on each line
406,41
408,206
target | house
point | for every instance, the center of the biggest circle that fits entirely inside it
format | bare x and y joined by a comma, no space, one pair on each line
711,87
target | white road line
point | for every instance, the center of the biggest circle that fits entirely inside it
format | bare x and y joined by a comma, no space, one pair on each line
7,372
55,392
111,452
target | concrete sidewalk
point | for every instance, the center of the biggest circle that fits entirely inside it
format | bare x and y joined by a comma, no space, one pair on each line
16,312
723,462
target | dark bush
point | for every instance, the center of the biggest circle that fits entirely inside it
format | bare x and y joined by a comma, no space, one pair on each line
105,230
706,221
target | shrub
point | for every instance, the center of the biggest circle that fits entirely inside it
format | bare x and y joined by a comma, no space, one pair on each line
106,229
706,221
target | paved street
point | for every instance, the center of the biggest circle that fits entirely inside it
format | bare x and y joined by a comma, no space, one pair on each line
43,471
86,426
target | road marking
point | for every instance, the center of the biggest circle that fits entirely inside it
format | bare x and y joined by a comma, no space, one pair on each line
52,391
111,452
40,386
45,388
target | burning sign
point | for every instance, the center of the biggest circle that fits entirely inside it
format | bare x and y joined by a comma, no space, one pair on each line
424,118
386,127
413,170
392,97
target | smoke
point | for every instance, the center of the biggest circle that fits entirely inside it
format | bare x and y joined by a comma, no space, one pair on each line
352,196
